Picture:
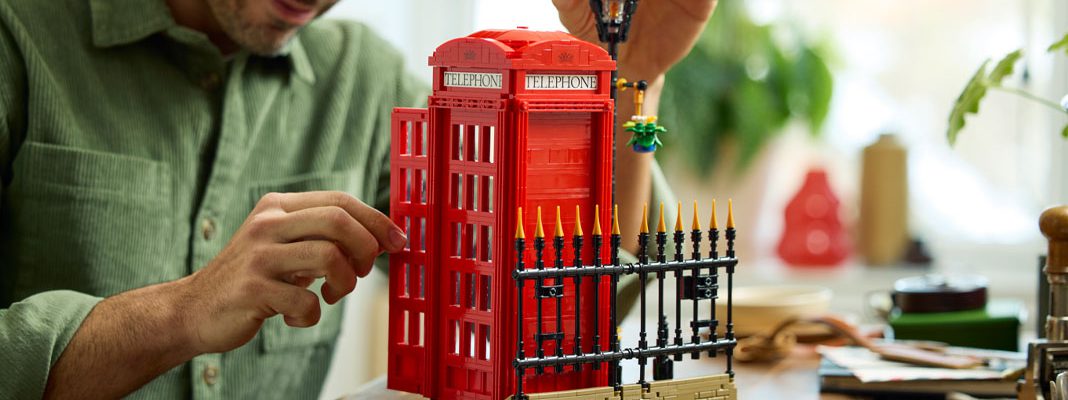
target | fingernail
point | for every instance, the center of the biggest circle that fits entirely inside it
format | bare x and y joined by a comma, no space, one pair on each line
397,239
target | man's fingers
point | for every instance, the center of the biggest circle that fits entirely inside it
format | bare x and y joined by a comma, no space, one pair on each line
299,307
389,235
335,224
296,262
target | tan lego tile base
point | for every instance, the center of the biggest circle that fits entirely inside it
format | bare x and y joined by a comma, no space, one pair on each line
714,387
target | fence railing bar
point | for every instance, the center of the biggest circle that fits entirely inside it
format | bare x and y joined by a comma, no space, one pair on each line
625,354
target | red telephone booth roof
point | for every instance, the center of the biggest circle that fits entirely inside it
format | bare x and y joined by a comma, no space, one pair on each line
521,49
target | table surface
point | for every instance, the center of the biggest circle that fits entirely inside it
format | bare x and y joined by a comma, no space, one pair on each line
791,378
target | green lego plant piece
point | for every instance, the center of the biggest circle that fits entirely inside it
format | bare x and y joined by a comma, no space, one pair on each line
646,136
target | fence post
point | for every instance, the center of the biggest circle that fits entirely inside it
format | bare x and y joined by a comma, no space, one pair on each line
519,356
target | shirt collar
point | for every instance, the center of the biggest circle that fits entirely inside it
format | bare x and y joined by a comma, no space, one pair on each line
119,22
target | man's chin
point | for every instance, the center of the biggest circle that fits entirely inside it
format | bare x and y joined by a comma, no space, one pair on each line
268,46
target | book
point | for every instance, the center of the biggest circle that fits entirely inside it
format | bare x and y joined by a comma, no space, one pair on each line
837,379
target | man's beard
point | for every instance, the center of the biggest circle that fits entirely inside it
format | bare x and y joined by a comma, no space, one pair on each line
263,39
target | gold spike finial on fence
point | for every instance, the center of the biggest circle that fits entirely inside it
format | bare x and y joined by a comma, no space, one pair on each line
730,214
539,232
559,226
645,218
597,219
713,224
615,219
660,226
578,221
696,221
678,217
519,226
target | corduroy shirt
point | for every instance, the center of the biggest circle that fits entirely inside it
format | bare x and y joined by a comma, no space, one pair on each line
130,152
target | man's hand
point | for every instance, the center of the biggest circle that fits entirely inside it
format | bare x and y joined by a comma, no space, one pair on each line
661,33
287,241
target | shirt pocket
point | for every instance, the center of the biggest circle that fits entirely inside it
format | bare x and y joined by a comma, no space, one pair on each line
95,222
277,336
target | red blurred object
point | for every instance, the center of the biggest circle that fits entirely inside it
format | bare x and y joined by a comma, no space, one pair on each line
517,118
813,233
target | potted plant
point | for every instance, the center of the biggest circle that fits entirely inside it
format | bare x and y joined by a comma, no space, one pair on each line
987,79
739,87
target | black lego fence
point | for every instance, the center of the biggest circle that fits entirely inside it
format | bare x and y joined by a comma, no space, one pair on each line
697,280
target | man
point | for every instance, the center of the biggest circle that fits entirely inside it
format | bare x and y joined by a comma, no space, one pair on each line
166,169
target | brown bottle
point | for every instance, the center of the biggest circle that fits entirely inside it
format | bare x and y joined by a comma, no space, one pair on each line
884,202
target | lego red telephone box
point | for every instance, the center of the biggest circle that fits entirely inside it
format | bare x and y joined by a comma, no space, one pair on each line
517,118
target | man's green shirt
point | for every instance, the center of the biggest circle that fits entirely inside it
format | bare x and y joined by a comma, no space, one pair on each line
131,150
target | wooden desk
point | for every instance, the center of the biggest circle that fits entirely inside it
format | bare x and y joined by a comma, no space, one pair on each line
792,378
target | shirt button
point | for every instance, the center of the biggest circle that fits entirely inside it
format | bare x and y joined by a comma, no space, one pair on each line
210,81
207,228
210,375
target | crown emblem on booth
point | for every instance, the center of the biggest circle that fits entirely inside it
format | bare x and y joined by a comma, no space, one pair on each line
565,57
470,55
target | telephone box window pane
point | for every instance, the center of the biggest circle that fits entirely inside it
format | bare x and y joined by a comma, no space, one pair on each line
472,294
484,295
489,194
457,189
487,244
457,239
456,286
475,143
469,140
413,241
469,189
408,232
484,338
454,334
425,135
411,276
484,194
404,338
406,178
404,278
470,237
422,329
407,137
420,177
492,144
422,281
485,144
422,234
474,193
411,136
469,333
457,142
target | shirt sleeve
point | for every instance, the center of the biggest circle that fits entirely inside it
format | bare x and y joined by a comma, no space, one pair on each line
33,334
36,330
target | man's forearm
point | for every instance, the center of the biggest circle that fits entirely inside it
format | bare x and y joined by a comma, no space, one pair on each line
633,180
126,341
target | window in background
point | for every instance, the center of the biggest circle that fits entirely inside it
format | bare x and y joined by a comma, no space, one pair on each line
900,66
414,27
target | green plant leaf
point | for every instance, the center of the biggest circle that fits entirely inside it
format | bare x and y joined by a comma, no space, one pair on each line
1060,45
816,84
1064,132
720,95
1004,68
967,102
